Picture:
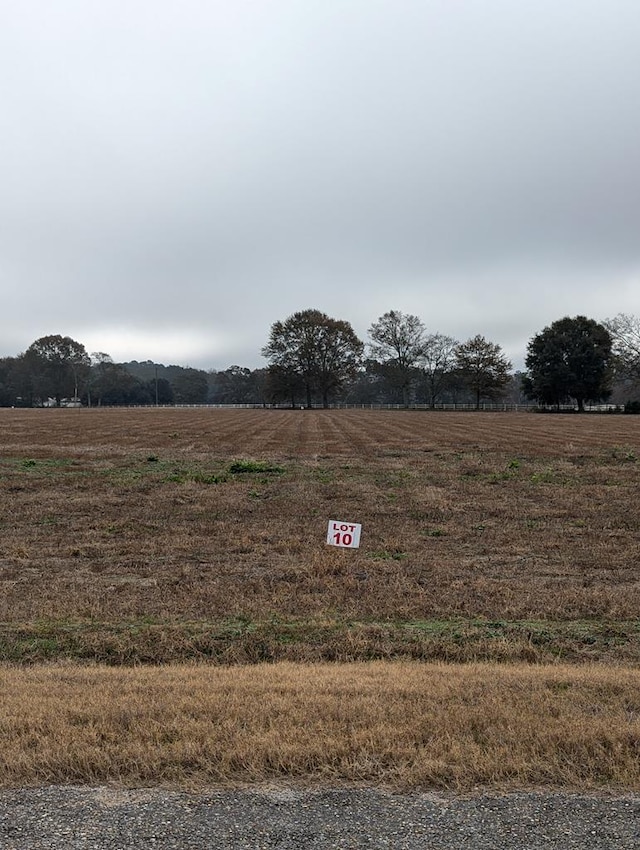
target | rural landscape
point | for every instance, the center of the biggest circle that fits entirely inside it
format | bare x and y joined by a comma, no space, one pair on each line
272,272
172,615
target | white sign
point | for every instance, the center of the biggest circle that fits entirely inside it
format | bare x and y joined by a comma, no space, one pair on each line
346,534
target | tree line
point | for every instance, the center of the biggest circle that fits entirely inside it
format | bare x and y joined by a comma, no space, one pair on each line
316,360
574,360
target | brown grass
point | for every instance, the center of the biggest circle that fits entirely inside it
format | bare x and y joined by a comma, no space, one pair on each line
127,538
402,725
111,516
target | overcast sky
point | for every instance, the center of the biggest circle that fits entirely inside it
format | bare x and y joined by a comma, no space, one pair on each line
176,176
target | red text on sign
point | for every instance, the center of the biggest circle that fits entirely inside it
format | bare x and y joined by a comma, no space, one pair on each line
343,539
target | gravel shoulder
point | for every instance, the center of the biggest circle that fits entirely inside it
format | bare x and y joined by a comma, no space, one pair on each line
78,818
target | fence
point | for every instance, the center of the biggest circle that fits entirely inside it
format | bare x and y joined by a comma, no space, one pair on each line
490,407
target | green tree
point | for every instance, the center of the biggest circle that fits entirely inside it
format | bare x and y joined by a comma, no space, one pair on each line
233,386
154,391
397,345
483,368
8,382
110,383
239,385
23,380
59,366
569,359
322,351
190,386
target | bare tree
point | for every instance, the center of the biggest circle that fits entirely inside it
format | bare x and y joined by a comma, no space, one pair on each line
398,344
437,363
625,334
483,367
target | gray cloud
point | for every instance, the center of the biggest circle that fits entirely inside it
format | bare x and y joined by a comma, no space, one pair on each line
178,176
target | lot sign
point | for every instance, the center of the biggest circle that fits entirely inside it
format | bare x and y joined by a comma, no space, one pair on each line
345,534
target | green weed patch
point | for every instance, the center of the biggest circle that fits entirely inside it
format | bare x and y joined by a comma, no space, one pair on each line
241,640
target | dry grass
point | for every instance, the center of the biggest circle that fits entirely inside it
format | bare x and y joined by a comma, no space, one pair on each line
402,725
131,537
111,516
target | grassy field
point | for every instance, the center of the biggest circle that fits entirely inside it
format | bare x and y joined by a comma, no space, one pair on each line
198,536
402,724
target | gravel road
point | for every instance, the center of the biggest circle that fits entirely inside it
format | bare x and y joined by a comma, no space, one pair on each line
106,819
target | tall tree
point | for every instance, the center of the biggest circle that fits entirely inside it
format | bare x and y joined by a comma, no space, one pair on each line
59,365
398,344
483,368
569,359
437,362
323,351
